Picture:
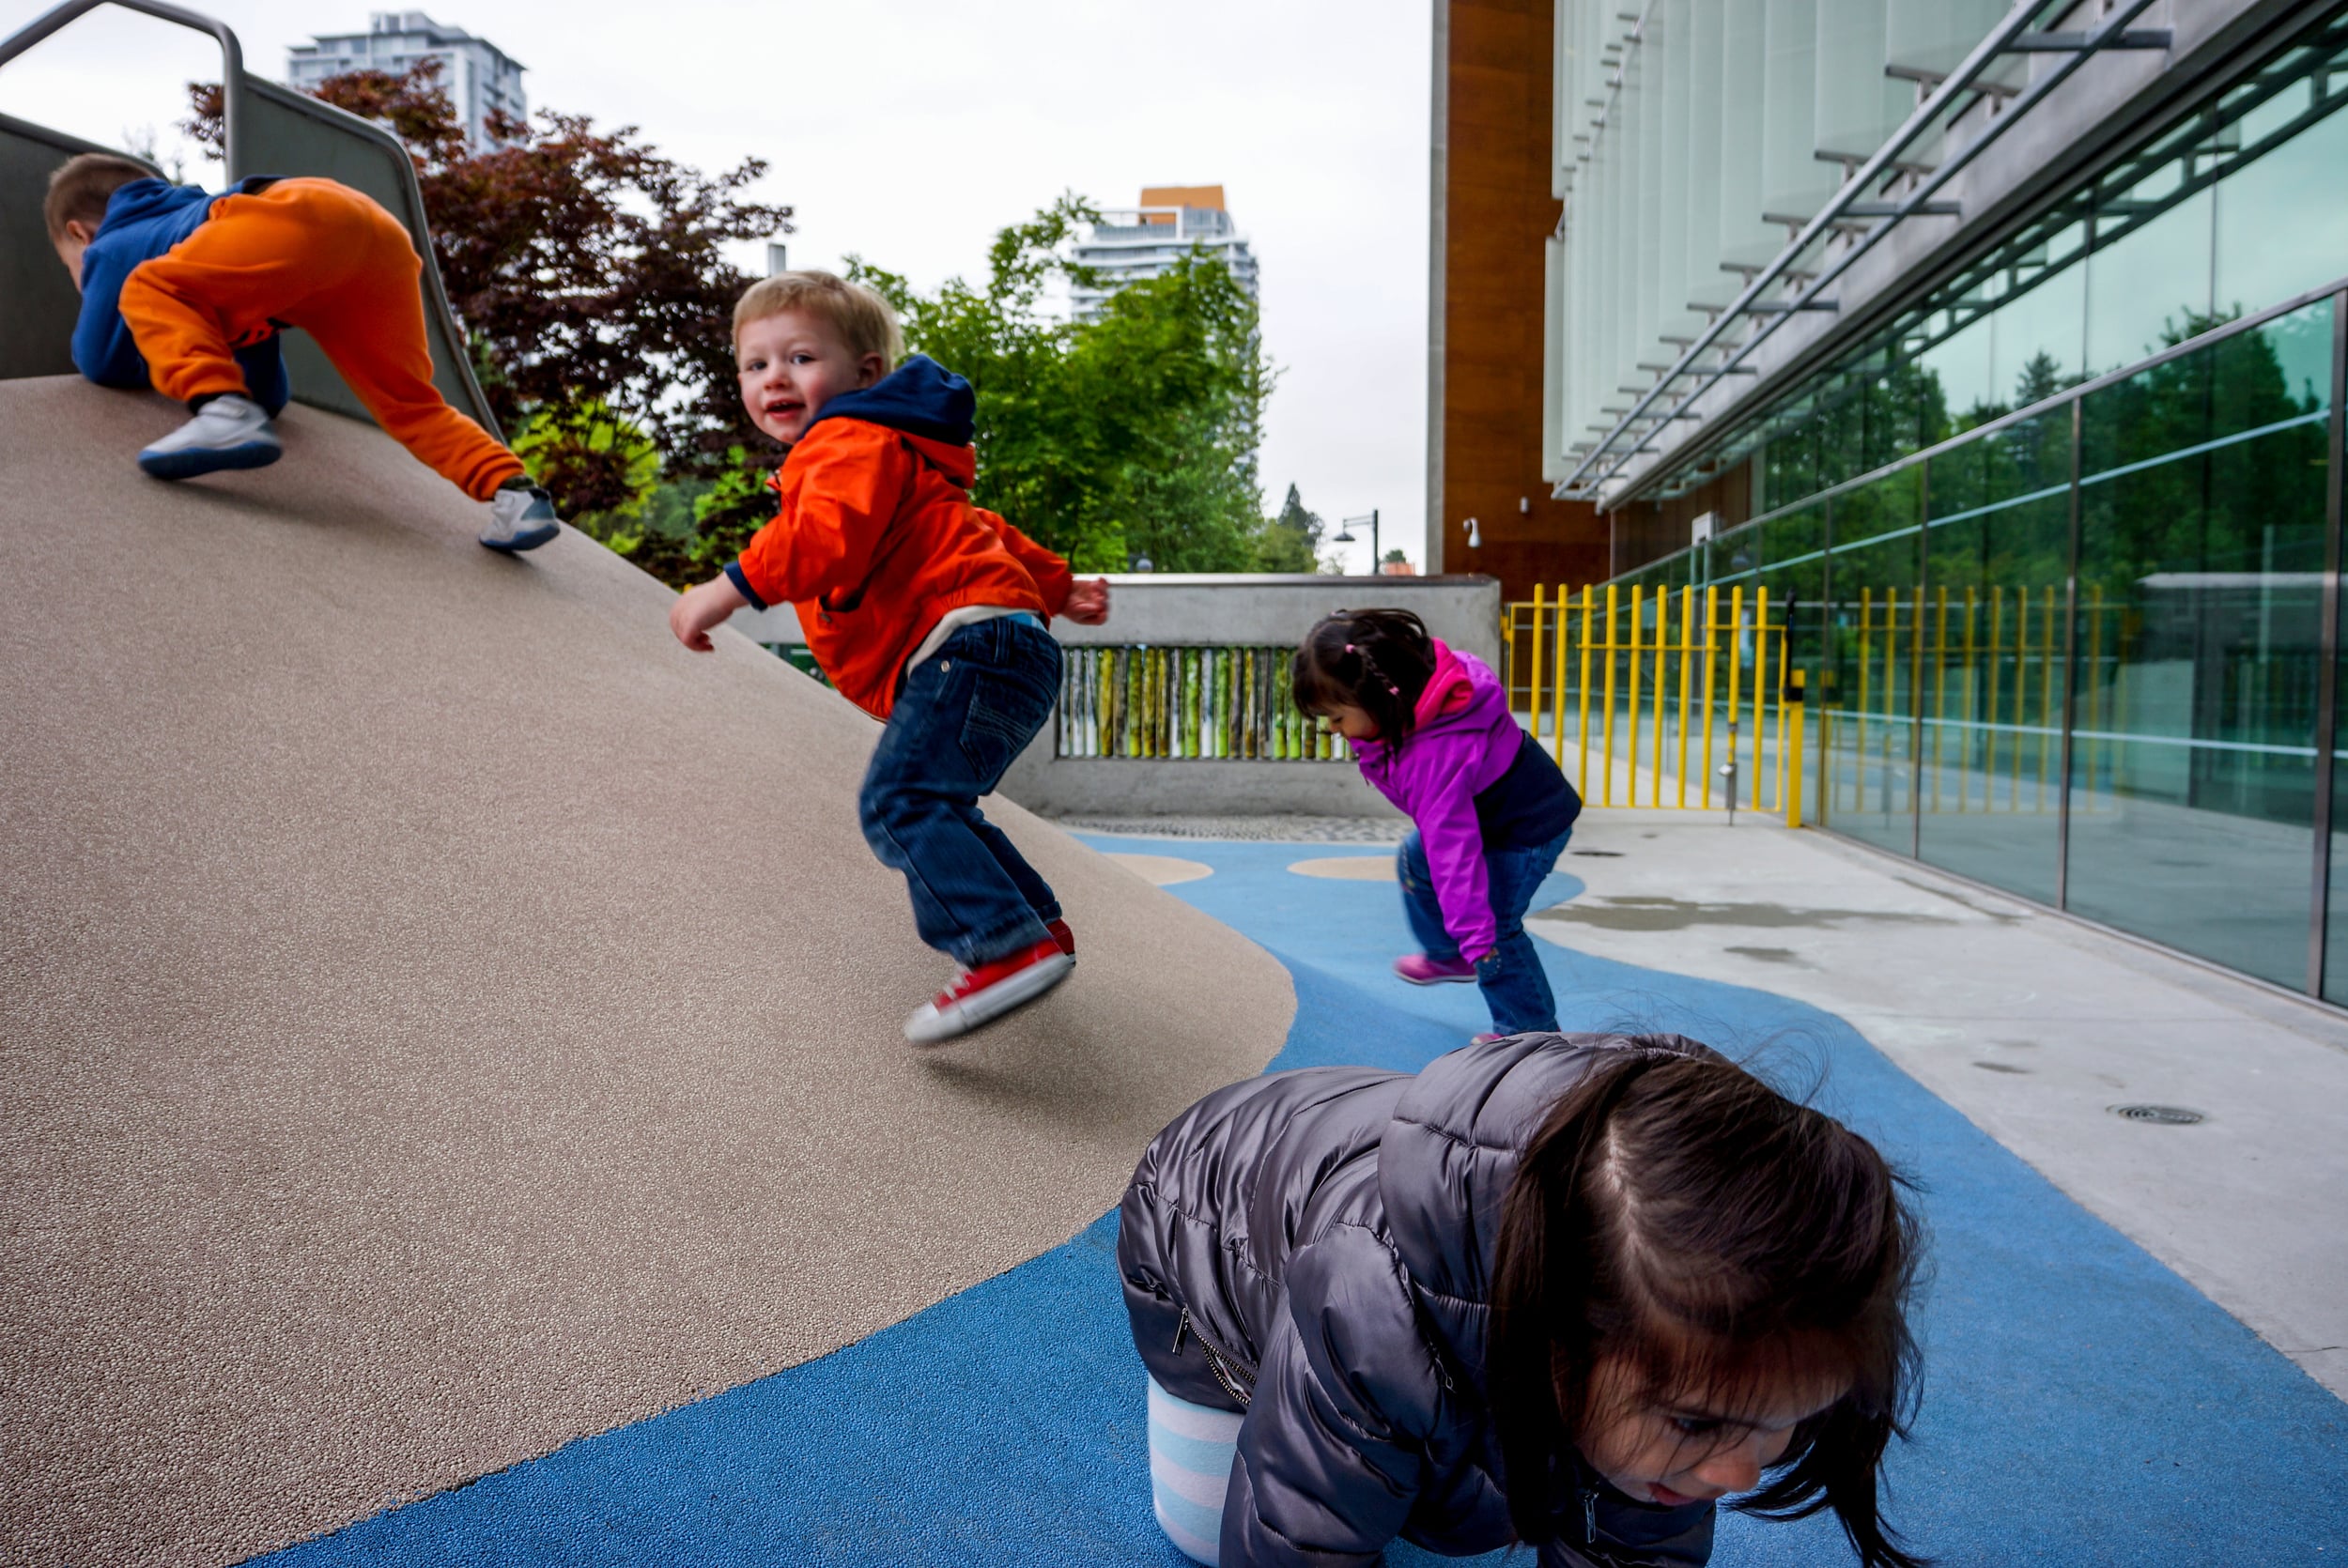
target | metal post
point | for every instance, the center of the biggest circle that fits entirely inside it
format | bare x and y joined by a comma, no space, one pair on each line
1582,692
1533,667
2071,674
1728,770
1711,617
1606,782
1638,628
1791,706
1557,681
2327,672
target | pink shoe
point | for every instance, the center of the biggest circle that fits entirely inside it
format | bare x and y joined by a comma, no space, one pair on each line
1420,970
1484,1039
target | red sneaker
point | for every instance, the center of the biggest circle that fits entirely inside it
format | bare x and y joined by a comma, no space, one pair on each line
1062,935
989,992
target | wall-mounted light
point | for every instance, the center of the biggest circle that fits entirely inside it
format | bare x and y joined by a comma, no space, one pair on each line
1525,506
1475,535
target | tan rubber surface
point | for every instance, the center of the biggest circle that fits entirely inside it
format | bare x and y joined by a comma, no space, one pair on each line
440,1018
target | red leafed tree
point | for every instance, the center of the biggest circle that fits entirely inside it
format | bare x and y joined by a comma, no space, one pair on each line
587,270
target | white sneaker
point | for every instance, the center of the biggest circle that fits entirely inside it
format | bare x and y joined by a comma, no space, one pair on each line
230,431
521,520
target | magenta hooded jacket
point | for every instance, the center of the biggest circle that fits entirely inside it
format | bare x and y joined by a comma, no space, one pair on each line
1466,741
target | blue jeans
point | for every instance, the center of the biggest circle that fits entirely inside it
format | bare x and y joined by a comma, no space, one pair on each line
1510,975
966,712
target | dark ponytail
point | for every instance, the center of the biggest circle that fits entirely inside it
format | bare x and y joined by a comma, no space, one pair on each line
1675,1212
1377,660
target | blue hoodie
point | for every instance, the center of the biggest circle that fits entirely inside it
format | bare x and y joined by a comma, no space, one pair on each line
144,220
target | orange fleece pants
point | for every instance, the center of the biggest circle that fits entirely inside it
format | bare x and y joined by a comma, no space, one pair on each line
316,254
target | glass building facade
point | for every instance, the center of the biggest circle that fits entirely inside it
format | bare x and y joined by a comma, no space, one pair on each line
2060,545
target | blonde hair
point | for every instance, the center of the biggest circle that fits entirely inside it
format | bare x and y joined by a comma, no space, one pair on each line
82,186
862,318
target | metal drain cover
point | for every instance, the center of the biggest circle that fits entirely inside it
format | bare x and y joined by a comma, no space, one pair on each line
2167,1115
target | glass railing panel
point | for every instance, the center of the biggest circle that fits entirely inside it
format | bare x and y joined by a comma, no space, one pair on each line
1989,656
1868,703
2200,587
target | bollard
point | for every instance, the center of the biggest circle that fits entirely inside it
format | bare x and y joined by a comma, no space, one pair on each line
1728,773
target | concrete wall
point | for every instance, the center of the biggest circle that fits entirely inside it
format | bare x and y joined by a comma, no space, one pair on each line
1170,609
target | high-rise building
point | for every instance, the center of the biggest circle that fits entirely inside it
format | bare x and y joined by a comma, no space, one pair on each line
1143,242
1996,353
478,76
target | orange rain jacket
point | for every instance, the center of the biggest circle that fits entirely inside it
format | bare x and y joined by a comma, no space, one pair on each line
877,538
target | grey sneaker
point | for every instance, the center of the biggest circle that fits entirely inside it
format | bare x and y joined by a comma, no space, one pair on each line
230,431
520,520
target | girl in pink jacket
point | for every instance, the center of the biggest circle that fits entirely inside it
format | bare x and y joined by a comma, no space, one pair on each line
1431,727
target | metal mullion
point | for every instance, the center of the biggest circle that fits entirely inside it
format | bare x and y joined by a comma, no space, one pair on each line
2328,671
1916,667
2070,667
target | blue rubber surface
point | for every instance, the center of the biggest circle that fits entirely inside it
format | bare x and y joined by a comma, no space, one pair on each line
2084,1405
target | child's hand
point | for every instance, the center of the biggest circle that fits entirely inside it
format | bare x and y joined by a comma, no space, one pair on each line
1088,603
699,610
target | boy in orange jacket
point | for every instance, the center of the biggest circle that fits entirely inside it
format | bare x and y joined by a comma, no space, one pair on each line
926,611
186,290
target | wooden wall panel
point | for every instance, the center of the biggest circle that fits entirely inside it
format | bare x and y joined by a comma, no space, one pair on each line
1497,213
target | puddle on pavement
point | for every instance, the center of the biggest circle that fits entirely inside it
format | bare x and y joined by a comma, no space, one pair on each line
2001,917
1677,915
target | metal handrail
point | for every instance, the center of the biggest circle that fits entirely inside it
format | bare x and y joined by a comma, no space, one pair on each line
1835,214
58,17
237,88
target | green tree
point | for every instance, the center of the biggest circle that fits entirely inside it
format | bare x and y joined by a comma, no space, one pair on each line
1291,541
1133,435
588,271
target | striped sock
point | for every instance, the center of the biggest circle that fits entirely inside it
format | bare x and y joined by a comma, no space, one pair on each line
1190,1465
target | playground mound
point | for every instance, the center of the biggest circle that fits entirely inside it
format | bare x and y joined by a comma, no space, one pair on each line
440,1018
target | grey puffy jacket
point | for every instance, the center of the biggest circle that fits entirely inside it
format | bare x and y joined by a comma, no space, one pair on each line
1315,1248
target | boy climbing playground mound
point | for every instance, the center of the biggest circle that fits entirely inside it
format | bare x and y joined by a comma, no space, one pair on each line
926,611
186,290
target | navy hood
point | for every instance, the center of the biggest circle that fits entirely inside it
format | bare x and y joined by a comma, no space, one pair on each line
920,397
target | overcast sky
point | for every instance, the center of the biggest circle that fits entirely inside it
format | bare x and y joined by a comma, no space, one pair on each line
909,130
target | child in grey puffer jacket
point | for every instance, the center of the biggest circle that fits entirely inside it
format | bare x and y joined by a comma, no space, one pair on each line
1563,1289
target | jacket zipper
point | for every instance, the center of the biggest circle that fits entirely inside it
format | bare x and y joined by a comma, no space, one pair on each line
1235,1380
1590,1518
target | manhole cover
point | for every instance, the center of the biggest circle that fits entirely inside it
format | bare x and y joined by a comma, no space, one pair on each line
2168,1116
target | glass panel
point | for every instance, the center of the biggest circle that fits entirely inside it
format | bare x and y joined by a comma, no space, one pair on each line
2038,346
2199,586
1794,570
2150,286
2281,226
1997,554
1870,728
1958,368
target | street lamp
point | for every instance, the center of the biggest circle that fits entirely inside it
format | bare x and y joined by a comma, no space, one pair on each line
1345,536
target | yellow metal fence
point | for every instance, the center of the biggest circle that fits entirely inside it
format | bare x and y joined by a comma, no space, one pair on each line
1659,697
1941,700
